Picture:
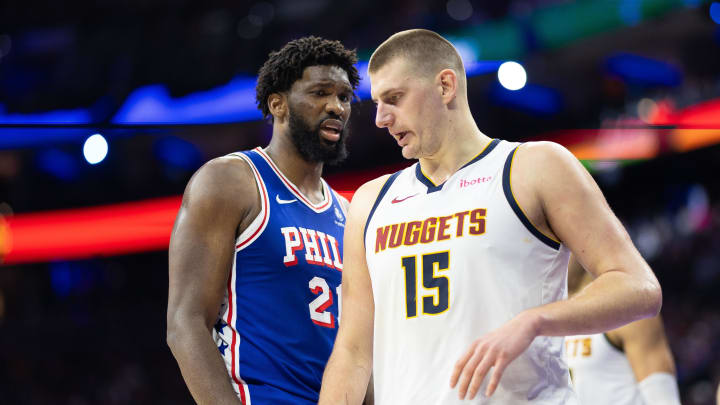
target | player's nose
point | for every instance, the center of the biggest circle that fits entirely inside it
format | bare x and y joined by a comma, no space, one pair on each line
335,106
383,118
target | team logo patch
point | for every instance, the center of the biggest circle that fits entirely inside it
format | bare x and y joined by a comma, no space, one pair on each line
339,215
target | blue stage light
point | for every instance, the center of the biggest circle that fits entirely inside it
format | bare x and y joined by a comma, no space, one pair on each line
642,71
630,11
73,278
57,163
363,89
715,12
178,152
61,278
233,102
482,67
76,116
533,99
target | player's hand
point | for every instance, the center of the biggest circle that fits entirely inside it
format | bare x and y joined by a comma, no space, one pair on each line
496,349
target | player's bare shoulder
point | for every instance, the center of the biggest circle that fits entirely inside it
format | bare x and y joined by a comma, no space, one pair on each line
368,192
225,185
544,175
543,160
547,167
364,199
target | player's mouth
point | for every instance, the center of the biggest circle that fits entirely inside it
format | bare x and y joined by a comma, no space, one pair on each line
400,137
330,130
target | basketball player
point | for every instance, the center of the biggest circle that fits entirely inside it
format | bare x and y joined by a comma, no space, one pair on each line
631,365
456,267
255,265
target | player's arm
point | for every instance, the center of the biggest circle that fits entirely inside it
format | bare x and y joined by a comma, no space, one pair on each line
577,276
370,393
648,352
561,198
575,211
217,199
348,371
645,346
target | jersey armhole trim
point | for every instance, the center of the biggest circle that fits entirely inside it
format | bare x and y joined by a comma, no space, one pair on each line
257,226
380,196
337,201
507,189
613,344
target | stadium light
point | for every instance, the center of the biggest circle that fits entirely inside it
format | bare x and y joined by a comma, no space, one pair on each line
95,149
512,75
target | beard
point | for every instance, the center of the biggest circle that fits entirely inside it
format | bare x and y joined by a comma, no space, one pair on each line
312,146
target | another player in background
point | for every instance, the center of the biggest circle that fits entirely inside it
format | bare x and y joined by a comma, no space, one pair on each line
255,265
456,266
631,365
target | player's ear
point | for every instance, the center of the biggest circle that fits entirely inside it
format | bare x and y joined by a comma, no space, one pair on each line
277,104
448,84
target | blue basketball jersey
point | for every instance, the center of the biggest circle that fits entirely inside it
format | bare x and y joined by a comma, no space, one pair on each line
278,322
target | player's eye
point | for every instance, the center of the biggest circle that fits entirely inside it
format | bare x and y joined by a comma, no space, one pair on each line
393,99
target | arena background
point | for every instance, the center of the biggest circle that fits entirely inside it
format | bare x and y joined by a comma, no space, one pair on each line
632,87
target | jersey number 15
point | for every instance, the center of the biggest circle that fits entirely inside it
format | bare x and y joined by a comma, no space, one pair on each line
432,263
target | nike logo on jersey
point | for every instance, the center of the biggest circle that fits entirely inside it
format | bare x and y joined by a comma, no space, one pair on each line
397,200
281,201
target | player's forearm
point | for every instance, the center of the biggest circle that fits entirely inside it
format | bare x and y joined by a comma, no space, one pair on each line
346,378
610,301
201,365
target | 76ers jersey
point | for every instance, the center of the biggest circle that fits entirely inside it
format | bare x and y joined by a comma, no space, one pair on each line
450,263
280,316
601,372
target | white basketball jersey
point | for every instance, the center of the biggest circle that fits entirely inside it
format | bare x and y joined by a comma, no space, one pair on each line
450,263
601,373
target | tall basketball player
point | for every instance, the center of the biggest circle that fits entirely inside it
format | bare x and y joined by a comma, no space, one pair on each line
631,365
255,264
456,267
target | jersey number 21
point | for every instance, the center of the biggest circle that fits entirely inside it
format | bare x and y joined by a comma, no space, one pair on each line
318,306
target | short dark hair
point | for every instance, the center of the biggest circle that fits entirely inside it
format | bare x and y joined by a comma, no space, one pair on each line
286,66
426,50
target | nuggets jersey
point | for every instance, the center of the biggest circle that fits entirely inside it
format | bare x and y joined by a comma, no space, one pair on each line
450,263
601,373
279,319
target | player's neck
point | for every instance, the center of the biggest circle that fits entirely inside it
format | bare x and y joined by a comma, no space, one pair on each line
460,143
303,174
